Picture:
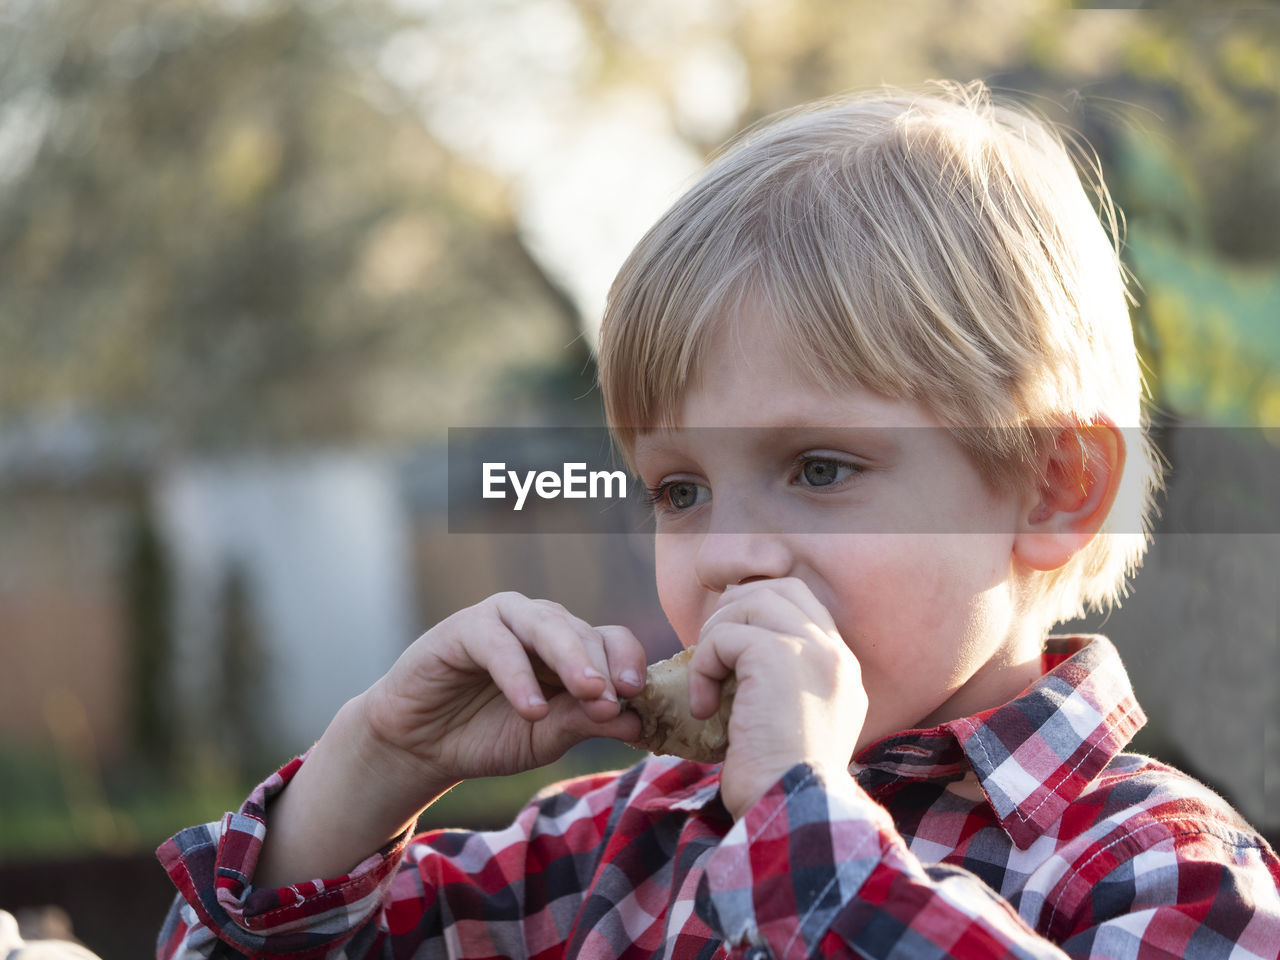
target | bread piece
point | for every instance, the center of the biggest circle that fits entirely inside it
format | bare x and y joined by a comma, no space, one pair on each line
669,727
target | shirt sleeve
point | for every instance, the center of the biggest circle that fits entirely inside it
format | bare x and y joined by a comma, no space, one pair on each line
519,880
818,869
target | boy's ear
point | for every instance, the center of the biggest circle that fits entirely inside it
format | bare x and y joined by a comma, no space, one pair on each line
1078,480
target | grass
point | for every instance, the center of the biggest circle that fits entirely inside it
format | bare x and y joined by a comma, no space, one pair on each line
49,812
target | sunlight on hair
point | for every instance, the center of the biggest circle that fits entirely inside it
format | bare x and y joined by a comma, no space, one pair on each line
936,246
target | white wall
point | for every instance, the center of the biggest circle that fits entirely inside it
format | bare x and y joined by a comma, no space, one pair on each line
324,543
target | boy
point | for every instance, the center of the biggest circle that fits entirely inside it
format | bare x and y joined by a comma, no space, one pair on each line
877,373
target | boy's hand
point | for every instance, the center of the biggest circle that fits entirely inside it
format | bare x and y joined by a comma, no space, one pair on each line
504,686
800,696
498,688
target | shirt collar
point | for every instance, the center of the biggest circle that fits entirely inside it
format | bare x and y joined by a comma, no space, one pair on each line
1034,755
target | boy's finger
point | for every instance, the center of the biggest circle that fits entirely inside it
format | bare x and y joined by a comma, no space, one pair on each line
594,711
505,659
550,634
792,589
561,611
547,677
771,610
626,658
570,723
716,659
595,645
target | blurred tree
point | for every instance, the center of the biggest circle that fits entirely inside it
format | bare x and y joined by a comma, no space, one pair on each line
239,729
148,598
220,224
320,221
1183,106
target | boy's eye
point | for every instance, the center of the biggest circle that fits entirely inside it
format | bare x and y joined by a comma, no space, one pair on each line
682,495
674,495
820,472
824,471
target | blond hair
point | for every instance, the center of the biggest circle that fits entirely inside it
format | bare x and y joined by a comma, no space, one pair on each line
936,247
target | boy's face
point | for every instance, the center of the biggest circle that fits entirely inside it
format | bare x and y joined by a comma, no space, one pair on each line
863,499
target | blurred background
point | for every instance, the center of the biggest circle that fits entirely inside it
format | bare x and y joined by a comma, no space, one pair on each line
256,256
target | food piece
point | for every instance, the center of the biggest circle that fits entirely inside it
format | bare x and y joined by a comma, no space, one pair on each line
669,727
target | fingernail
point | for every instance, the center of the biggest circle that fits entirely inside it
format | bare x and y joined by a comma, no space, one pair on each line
591,673
536,701
631,678
610,696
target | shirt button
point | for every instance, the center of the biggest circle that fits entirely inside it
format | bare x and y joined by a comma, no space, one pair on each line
758,953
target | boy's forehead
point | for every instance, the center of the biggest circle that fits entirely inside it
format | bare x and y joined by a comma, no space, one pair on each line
754,372
866,439
808,408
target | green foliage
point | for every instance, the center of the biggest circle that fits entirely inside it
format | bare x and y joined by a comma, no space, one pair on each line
231,230
242,663
235,226
41,816
44,812
1215,329
1210,320
148,598
1180,105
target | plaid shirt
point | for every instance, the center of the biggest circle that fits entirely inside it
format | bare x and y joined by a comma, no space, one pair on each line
1022,832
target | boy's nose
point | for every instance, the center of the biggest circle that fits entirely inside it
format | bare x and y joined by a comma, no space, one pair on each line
726,559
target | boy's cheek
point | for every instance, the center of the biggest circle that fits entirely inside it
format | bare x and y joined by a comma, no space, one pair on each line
679,594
